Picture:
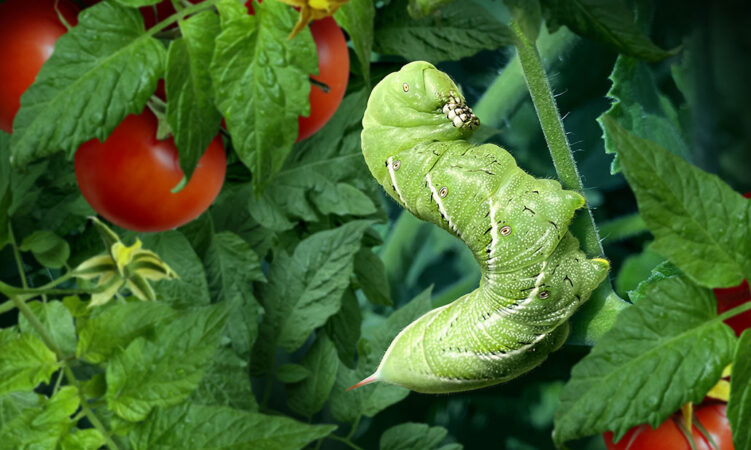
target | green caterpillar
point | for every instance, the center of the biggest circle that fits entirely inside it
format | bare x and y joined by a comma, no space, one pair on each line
533,274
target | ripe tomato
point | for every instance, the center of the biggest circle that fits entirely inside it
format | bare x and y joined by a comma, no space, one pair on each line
668,436
28,31
128,178
729,298
333,69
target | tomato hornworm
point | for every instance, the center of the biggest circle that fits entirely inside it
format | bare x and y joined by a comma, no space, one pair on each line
534,276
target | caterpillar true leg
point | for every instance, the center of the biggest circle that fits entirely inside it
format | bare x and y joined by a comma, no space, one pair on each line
533,274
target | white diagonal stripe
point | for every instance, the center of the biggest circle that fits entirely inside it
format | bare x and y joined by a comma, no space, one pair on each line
438,200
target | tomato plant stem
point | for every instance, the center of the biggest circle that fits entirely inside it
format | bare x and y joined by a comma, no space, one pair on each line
555,134
24,309
598,314
17,256
355,424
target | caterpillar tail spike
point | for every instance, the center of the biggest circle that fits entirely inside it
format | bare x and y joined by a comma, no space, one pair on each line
534,276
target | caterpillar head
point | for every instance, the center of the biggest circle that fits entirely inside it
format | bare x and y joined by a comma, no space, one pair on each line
419,103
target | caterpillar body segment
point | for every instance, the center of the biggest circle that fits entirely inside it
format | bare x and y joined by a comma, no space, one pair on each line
533,274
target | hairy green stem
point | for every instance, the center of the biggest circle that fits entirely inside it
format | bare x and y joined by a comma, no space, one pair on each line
555,134
507,92
598,314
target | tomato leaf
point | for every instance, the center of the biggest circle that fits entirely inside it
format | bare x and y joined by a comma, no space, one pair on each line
465,28
261,83
191,113
165,369
58,322
739,406
344,327
699,223
174,249
666,350
642,109
34,421
24,361
103,69
412,435
47,247
292,373
369,400
318,174
231,268
106,333
226,382
357,18
305,289
609,22
198,426
371,274
309,395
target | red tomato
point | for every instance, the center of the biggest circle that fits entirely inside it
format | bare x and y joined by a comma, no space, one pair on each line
668,436
729,298
28,31
333,69
128,179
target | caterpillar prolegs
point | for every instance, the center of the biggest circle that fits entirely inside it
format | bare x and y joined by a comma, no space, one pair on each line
533,274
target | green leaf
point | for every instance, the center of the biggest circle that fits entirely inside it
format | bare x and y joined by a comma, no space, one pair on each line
699,223
344,328
369,400
112,330
87,439
664,351
421,8
464,29
292,373
640,108
231,268
739,406
636,268
663,270
306,289
311,175
226,383
195,426
191,113
343,200
371,274
165,370
47,247
58,322
261,83
309,395
411,435
357,17
33,421
101,70
609,22
24,362
175,250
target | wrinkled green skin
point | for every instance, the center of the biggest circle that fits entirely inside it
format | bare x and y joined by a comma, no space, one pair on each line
533,274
